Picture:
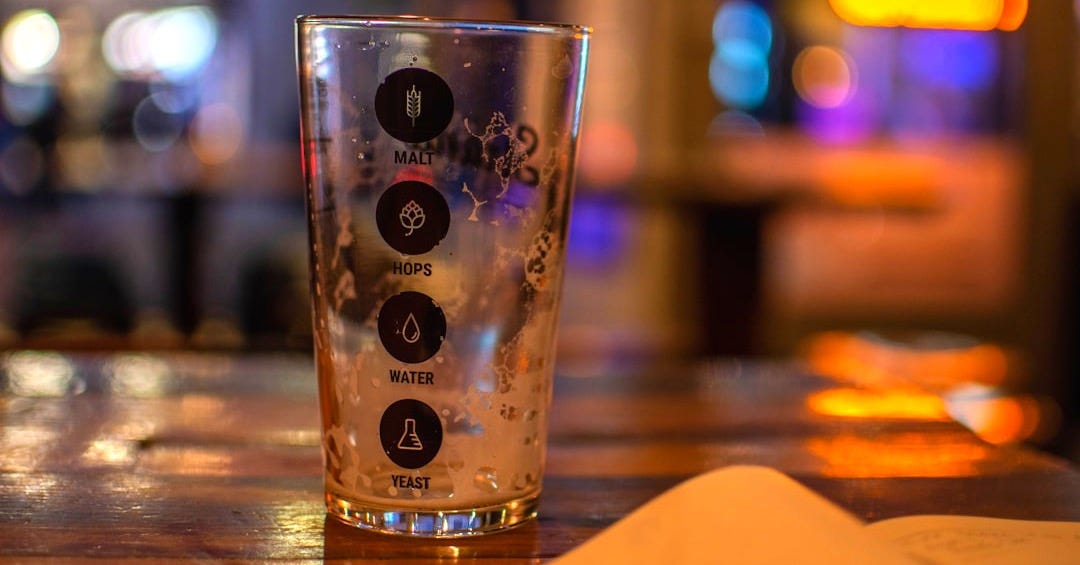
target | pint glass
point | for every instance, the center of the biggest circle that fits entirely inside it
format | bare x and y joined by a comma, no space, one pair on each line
439,160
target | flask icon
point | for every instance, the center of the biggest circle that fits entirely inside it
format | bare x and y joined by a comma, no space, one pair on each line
409,440
404,446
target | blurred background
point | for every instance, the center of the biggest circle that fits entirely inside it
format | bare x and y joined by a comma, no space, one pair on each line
885,191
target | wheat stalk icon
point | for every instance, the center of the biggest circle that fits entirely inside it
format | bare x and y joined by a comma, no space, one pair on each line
412,104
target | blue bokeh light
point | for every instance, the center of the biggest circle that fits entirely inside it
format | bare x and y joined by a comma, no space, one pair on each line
966,60
743,22
739,76
600,232
739,69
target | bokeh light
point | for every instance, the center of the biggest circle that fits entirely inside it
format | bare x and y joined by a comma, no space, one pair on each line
124,41
38,373
735,123
739,69
601,233
743,22
852,122
957,59
907,454
610,156
84,162
1013,14
154,128
26,103
217,133
184,39
174,43
894,404
22,165
824,77
977,15
139,375
998,417
936,363
739,76
29,42
174,98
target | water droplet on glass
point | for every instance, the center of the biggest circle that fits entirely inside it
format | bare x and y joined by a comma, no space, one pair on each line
486,480
365,480
445,412
416,493
468,64
391,490
563,68
375,382
457,465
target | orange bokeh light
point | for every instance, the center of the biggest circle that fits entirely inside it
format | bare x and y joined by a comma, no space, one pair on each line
1000,419
609,156
888,404
1013,14
898,455
824,76
855,359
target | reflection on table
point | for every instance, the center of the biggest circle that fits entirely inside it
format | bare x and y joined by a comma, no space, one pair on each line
197,456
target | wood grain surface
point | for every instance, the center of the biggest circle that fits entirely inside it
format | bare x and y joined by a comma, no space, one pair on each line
177,457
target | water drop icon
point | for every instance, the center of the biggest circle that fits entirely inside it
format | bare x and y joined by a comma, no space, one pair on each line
410,330
412,327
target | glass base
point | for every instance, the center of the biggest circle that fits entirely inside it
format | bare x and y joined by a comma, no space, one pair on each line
434,523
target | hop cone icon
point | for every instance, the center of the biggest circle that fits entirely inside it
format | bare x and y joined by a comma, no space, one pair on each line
411,217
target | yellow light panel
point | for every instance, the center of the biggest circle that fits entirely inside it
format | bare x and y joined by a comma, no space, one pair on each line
980,15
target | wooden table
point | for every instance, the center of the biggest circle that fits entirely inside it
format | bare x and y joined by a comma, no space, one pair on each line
215,457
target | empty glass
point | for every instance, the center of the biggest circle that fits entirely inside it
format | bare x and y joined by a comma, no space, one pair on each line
439,158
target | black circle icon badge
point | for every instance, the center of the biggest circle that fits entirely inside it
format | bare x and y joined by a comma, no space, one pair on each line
410,433
411,326
412,217
414,104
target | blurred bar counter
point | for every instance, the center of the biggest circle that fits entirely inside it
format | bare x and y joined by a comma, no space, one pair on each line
146,457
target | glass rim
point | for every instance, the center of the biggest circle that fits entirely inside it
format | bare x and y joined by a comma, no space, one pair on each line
437,23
